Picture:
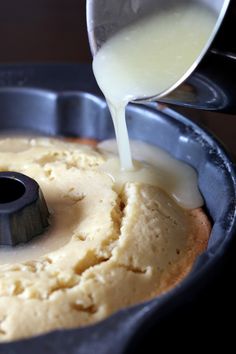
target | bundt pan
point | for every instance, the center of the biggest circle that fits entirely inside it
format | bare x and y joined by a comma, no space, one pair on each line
63,100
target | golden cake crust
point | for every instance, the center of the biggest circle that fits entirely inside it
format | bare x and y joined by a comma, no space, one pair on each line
114,249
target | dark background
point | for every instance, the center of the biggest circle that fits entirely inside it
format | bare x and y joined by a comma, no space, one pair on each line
55,31
43,30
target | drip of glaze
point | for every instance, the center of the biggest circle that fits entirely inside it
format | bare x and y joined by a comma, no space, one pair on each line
147,58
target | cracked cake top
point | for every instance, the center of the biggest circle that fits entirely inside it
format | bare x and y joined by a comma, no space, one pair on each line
104,250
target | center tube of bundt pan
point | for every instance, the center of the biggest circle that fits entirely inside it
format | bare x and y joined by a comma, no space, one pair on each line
23,210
